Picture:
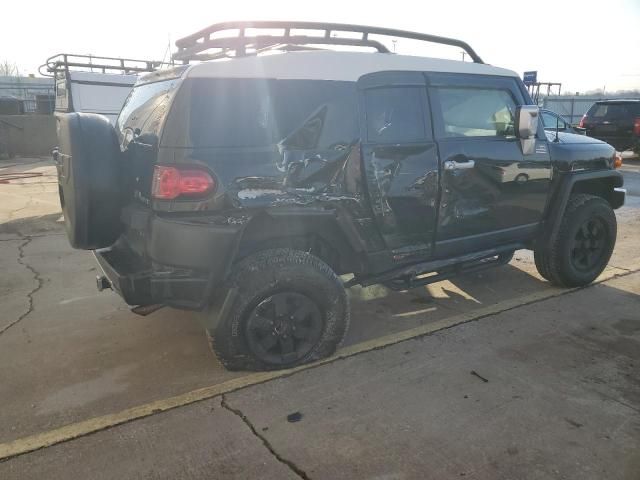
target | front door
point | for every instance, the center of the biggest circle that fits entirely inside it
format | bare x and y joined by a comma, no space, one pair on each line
491,192
400,160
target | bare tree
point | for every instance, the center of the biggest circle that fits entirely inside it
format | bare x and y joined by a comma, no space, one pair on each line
8,69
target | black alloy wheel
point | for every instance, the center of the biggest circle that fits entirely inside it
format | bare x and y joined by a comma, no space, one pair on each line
283,328
589,244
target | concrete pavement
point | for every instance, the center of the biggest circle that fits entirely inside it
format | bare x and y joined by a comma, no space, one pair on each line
549,390
69,354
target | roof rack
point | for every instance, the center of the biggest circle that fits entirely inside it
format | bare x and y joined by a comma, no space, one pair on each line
66,61
236,44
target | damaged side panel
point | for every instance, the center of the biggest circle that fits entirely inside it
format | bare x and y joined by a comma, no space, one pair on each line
400,160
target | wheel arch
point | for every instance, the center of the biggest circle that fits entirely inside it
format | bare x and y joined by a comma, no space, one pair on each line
318,231
602,183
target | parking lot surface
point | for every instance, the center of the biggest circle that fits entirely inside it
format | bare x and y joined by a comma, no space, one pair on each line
90,390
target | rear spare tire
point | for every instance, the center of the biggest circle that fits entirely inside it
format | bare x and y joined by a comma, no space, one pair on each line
89,179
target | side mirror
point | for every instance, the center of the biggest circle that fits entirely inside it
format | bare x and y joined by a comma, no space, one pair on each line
527,121
527,127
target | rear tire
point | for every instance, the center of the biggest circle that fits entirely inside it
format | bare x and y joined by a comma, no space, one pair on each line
583,245
290,308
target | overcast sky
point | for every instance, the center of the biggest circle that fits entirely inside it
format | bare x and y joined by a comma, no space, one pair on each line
584,44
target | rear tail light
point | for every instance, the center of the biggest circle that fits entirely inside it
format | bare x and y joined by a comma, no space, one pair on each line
582,121
636,126
173,182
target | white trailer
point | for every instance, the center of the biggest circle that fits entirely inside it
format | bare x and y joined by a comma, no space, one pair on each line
91,84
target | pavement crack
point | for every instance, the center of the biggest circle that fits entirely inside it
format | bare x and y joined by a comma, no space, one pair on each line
36,277
621,268
292,466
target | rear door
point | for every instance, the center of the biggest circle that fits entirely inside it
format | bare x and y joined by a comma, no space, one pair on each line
400,160
491,193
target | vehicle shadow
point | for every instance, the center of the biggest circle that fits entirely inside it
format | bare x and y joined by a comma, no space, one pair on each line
49,224
378,311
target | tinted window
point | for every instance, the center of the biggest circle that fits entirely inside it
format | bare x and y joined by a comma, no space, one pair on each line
297,114
395,114
146,107
476,112
611,111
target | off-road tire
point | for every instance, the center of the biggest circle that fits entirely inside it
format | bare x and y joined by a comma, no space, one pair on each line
271,272
555,260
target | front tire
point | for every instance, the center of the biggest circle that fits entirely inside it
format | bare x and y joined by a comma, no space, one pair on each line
583,245
290,308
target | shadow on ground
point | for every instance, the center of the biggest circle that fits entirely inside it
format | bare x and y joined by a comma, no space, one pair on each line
80,353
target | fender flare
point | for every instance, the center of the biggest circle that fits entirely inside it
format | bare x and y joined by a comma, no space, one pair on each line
567,182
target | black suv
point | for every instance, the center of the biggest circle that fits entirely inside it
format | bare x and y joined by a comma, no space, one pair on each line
245,187
616,122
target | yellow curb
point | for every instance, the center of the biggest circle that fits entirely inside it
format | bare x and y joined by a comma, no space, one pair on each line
92,425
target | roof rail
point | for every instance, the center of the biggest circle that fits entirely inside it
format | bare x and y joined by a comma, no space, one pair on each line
67,61
236,44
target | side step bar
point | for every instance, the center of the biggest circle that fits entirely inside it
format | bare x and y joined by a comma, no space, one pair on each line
424,273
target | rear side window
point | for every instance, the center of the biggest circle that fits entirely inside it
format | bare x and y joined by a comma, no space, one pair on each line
612,111
255,113
476,112
146,107
395,114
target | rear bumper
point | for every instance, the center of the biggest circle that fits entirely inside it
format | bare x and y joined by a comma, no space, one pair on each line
176,262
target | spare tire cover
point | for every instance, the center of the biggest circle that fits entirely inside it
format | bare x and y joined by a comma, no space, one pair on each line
88,158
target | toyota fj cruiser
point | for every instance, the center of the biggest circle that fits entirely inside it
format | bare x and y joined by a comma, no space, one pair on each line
245,185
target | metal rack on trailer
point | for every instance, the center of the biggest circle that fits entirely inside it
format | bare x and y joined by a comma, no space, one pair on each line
94,84
237,43
96,64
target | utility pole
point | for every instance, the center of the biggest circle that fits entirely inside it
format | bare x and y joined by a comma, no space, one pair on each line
463,55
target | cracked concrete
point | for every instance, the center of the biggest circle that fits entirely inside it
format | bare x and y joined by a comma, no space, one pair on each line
560,401
172,446
294,468
77,354
31,293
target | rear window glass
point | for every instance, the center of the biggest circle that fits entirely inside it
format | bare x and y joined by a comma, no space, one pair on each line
146,107
298,114
613,111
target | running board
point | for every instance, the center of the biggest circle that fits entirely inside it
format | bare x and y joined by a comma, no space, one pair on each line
420,274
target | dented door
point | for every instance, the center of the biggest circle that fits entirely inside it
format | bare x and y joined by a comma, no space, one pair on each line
491,192
400,160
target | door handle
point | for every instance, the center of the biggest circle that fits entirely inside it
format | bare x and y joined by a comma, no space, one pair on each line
453,165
